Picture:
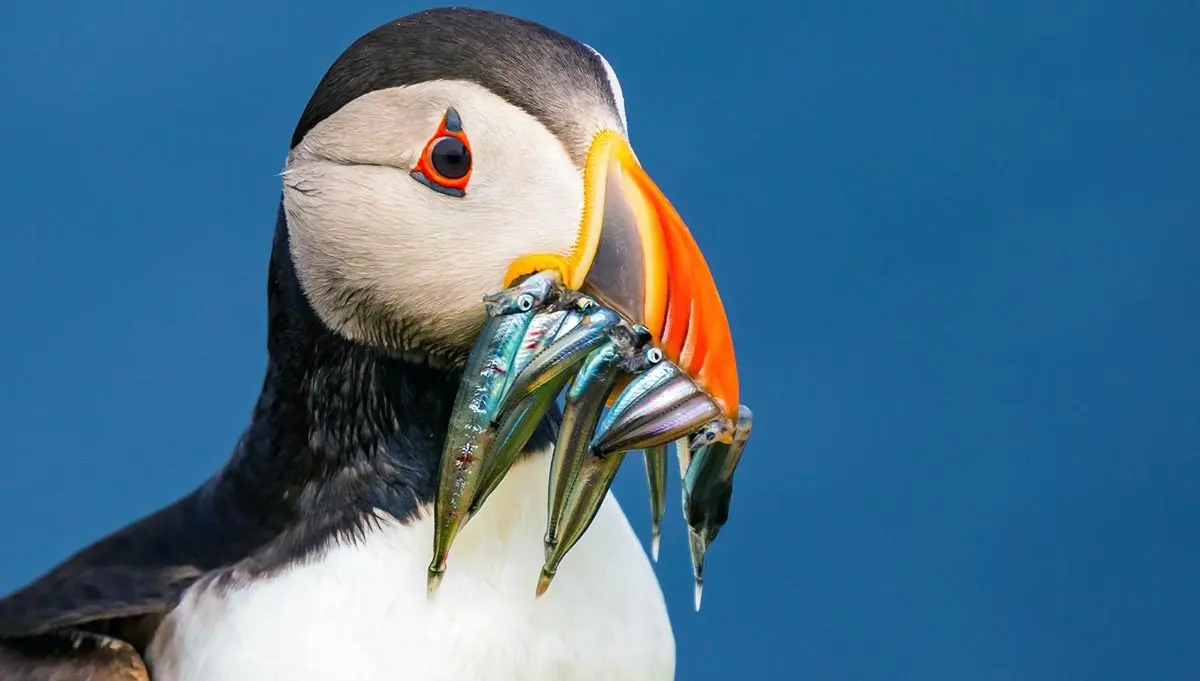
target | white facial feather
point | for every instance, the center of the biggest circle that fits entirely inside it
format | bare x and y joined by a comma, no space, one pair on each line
384,259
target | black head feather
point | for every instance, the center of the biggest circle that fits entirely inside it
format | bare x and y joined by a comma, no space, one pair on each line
533,67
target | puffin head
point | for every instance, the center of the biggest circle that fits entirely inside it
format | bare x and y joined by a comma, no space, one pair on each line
445,155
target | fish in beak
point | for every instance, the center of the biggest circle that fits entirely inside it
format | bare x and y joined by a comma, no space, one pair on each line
635,255
647,337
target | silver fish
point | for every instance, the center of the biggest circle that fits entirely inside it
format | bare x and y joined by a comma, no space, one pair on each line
652,379
656,479
580,507
708,490
563,356
667,418
582,480
542,331
468,438
569,322
683,453
516,427
519,423
512,436
582,408
536,290
710,432
642,399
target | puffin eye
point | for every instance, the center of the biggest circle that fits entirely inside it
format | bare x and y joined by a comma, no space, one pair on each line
450,158
445,164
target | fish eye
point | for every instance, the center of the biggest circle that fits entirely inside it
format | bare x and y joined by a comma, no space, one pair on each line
525,302
654,355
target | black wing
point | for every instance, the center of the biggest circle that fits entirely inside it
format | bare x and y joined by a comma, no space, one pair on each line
70,656
77,594
92,616
86,622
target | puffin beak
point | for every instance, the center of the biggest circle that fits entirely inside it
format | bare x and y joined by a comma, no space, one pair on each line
634,254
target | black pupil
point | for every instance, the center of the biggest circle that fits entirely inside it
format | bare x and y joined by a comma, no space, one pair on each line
450,158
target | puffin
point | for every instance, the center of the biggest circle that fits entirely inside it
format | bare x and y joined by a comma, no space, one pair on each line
441,156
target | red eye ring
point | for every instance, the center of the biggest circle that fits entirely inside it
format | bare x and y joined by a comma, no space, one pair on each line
446,163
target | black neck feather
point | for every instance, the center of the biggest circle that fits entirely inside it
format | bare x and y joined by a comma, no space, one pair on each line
340,430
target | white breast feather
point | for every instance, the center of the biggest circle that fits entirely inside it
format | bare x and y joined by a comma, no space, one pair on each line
360,612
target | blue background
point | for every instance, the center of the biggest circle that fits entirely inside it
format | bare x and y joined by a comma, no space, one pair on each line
958,245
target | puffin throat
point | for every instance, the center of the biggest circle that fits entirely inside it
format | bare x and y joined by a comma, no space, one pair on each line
340,430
